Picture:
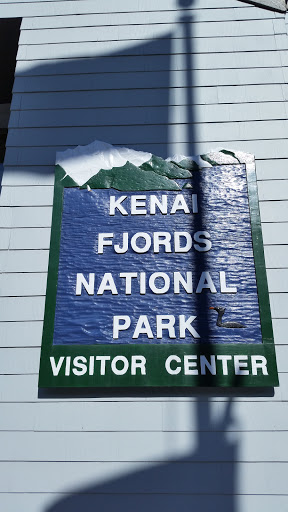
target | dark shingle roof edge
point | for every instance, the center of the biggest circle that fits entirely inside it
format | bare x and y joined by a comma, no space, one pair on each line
274,5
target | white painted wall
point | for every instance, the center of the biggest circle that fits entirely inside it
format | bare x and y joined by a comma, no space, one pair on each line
113,70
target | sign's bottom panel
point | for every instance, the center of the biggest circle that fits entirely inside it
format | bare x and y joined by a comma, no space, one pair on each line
183,366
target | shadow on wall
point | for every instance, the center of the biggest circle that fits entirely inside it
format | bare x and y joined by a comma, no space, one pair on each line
121,98
125,98
203,480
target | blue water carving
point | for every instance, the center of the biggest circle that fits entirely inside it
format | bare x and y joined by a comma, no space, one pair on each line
219,196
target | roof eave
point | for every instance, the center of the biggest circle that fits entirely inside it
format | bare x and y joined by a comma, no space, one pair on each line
273,5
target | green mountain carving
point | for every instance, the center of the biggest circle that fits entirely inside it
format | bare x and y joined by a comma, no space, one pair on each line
209,160
169,169
129,177
187,163
155,174
231,153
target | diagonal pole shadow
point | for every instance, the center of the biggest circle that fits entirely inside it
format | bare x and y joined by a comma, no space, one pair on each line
207,474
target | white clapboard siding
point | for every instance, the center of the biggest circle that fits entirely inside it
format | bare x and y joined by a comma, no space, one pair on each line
276,256
4,239
21,388
72,477
142,416
149,97
252,93
129,5
279,304
29,175
275,233
24,261
42,8
271,170
136,18
146,79
21,334
17,361
6,217
30,196
22,308
26,238
280,329
126,417
21,285
263,149
105,446
216,132
123,63
131,115
22,217
277,280
276,211
141,446
129,98
142,502
140,31
250,478
245,417
94,48
273,190
27,359
30,477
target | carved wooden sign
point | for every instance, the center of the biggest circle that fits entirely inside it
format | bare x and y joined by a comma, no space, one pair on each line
156,272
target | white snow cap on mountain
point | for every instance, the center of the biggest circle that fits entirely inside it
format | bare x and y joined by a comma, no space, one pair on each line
83,162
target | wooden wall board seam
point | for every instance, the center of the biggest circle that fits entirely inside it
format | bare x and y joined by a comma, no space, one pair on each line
94,21
274,69
265,150
200,15
137,143
96,49
168,5
93,87
143,31
129,116
102,20
23,389
136,446
273,93
277,123
202,61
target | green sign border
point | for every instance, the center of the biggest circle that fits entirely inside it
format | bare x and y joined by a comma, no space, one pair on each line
156,375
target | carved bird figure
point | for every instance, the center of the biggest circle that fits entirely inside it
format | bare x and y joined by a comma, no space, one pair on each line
228,325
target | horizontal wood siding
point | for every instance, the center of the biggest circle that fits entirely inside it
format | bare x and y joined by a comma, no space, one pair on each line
43,477
117,71
142,502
